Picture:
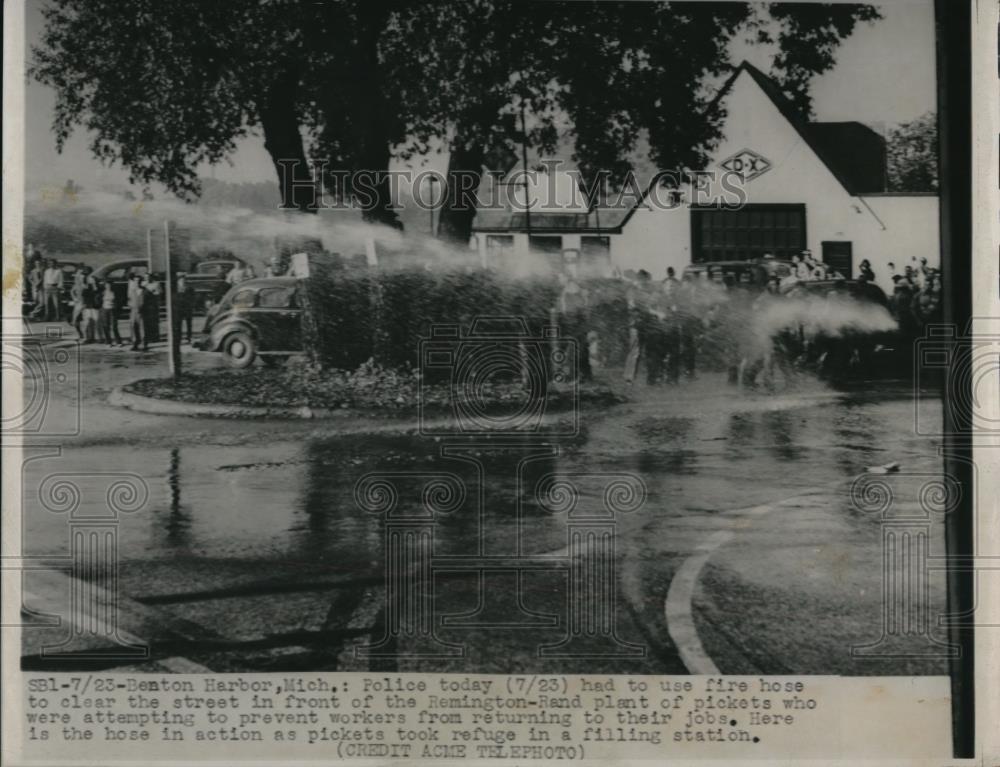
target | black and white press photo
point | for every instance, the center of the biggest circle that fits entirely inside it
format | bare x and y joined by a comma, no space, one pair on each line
368,349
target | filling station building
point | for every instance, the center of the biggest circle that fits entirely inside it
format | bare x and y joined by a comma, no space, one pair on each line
808,185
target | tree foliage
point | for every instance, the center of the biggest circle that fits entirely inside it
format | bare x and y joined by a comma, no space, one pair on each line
912,155
808,37
165,87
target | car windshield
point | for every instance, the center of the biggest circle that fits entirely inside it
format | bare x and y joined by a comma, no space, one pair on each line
213,269
115,271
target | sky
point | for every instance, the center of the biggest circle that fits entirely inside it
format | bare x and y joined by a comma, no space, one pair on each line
885,75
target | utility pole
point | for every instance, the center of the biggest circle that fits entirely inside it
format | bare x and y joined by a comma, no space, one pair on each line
149,251
431,181
524,162
173,337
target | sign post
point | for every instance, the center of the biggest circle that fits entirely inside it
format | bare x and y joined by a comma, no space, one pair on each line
431,181
173,337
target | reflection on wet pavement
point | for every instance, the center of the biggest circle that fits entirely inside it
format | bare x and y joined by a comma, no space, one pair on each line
272,523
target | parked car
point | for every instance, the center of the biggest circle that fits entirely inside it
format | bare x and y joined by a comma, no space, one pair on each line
208,279
851,354
752,273
860,290
256,318
118,273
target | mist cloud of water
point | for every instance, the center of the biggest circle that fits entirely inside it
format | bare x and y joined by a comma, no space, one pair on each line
833,316
97,226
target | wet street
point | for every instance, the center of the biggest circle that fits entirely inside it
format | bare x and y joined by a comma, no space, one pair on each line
695,529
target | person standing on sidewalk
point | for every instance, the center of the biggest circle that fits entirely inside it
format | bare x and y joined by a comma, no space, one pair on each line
136,296
35,283
632,307
108,317
151,309
692,311
237,274
84,291
91,313
865,273
76,297
184,304
573,305
52,282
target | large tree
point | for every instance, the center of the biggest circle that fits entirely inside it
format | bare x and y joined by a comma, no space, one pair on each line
164,87
613,73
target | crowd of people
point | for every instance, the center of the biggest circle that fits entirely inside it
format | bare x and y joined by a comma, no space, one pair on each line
916,295
668,326
92,306
57,291
714,316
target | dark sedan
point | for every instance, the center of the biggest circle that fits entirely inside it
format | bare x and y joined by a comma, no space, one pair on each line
753,273
208,279
257,318
852,353
118,273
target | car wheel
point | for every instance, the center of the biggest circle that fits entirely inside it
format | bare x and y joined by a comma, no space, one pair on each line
240,350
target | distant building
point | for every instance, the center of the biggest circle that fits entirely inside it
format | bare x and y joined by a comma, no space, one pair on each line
816,186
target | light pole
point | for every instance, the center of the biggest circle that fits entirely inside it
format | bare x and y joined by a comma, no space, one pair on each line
431,181
524,163
173,336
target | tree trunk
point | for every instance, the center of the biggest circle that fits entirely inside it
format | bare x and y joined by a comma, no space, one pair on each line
375,157
284,143
359,126
465,167
375,117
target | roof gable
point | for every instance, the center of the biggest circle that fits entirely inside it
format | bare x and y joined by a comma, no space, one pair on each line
852,152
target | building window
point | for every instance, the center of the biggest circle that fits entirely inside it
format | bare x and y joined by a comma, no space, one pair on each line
549,249
595,254
751,232
499,246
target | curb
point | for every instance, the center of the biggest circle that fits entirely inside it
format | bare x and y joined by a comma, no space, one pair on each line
154,406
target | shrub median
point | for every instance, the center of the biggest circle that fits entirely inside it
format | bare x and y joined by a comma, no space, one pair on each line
374,391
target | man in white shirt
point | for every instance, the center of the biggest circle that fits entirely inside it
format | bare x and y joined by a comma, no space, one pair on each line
136,299
52,282
236,275
76,295
804,269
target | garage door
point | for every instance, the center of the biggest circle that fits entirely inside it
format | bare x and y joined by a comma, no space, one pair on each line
752,231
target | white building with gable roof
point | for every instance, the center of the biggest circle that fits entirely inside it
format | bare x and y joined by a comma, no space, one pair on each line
815,186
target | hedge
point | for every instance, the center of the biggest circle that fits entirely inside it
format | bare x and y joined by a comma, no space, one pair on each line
353,314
